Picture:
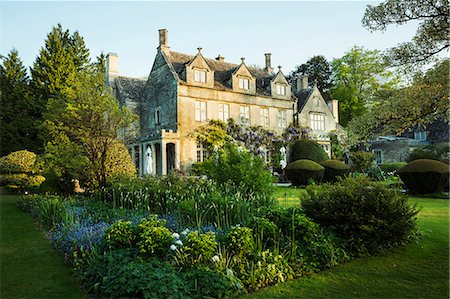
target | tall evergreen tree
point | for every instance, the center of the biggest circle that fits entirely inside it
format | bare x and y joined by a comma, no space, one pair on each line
18,113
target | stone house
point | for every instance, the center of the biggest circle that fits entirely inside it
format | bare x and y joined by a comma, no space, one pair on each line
184,91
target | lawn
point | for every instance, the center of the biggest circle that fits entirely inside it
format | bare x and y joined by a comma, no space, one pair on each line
418,270
289,196
29,267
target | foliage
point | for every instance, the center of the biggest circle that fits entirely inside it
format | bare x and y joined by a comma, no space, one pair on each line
318,69
205,283
421,103
432,34
154,238
17,170
368,216
307,149
334,169
425,176
302,172
362,161
120,234
375,173
240,241
19,112
339,145
86,124
196,248
18,162
121,273
239,167
392,167
358,76
431,152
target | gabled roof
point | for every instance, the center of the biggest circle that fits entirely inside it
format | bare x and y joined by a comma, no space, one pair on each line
303,96
222,71
128,88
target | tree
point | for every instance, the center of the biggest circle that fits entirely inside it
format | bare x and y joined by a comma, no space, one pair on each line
421,103
358,76
432,34
55,70
318,70
86,123
18,112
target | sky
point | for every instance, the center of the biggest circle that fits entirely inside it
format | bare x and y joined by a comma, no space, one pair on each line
292,31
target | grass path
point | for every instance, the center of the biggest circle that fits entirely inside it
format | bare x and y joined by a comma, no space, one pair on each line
29,267
418,270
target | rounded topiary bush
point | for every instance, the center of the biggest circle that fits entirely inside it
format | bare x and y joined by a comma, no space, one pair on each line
334,169
425,176
300,172
309,150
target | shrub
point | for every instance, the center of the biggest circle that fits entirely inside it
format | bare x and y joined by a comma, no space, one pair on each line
432,152
18,162
123,274
154,238
240,241
367,215
235,165
306,149
120,234
425,176
205,283
301,172
392,167
17,170
198,247
333,169
362,160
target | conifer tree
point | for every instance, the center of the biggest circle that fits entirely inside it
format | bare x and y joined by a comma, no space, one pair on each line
18,112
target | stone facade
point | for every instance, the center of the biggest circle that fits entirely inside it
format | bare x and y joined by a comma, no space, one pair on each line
184,91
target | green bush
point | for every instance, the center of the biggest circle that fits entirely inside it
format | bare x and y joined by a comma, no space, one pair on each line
432,152
17,170
367,215
425,176
123,274
18,162
334,169
240,241
205,283
392,167
301,172
306,149
362,161
120,234
199,247
239,167
154,238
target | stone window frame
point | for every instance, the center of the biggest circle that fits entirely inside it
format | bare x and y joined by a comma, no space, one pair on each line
317,121
244,115
244,83
281,89
224,114
201,111
264,117
200,75
282,118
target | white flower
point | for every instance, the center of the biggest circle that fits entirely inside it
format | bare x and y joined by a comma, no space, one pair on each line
173,247
215,259
178,242
176,235
185,232
26,192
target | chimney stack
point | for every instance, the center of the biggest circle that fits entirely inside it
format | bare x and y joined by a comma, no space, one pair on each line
304,82
268,67
112,69
334,107
220,58
163,39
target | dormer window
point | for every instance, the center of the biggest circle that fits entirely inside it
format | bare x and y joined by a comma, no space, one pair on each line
244,83
281,89
420,136
200,76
